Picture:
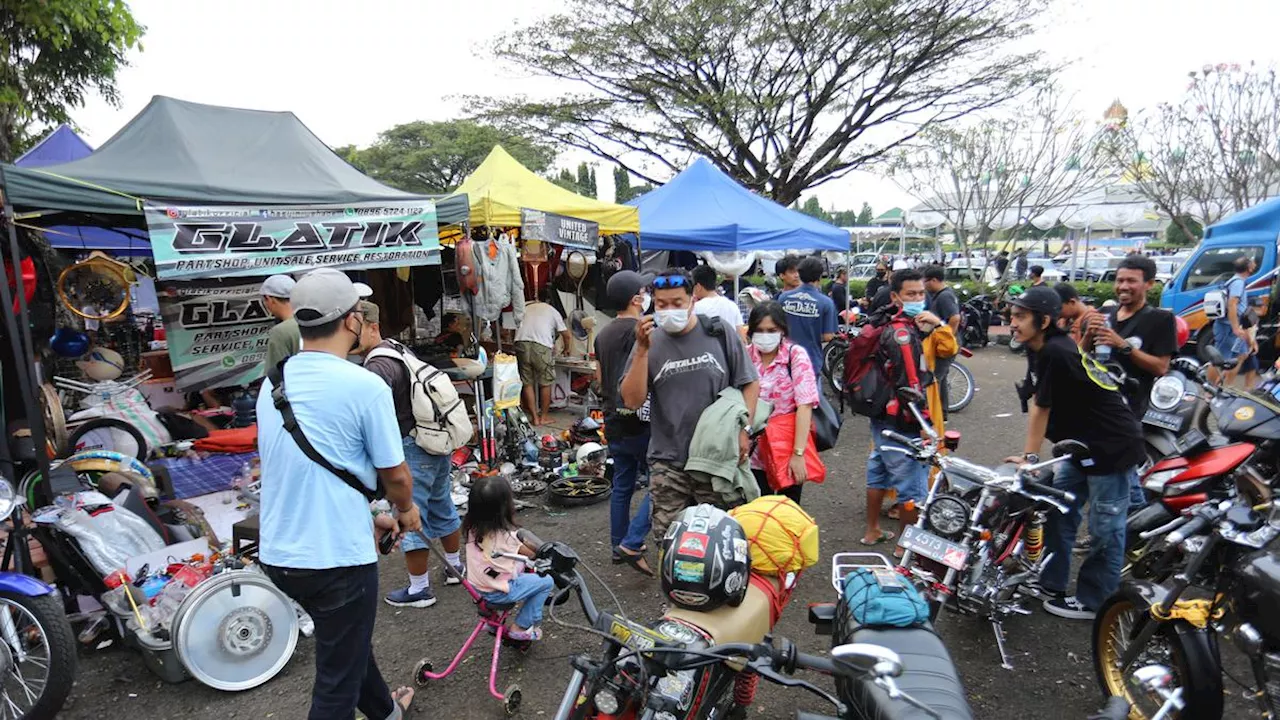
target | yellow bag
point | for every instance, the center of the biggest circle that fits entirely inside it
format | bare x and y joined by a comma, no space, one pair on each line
783,538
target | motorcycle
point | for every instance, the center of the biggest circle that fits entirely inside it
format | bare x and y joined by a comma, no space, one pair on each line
1178,406
977,313
961,385
978,545
1224,551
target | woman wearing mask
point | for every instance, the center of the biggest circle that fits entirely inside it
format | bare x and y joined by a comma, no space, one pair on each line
787,380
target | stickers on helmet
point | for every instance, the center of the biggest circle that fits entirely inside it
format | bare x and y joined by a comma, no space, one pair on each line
693,545
740,550
689,599
733,583
686,571
698,524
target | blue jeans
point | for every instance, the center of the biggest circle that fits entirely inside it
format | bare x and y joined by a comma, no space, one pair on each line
432,493
532,589
1108,498
628,462
1137,496
343,602
893,470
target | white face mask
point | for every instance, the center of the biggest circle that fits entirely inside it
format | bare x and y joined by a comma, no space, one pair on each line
673,321
766,342
645,302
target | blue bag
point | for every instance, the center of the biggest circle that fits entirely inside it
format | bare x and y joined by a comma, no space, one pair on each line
876,604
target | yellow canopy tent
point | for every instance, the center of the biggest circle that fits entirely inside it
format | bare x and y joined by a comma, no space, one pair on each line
501,186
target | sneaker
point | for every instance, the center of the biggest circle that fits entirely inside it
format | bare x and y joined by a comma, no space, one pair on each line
1035,590
403,598
1068,607
451,579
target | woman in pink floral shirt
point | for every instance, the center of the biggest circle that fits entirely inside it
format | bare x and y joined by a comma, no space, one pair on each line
788,381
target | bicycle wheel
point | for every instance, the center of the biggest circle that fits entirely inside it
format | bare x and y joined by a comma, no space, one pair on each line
960,387
833,365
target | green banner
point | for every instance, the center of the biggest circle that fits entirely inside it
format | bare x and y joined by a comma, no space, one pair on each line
217,332
191,242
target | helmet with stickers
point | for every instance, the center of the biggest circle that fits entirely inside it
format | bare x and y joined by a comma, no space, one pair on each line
705,561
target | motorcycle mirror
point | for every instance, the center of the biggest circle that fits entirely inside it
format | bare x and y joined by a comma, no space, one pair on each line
910,395
1076,449
1211,354
870,659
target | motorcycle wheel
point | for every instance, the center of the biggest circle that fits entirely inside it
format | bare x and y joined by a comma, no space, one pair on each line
833,365
106,427
960,387
579,491
1191,655
44,634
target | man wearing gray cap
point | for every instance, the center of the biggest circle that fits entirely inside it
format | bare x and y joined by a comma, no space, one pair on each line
283,340
316,532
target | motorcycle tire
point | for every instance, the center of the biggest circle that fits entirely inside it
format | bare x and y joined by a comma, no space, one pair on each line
578,491
1192,655
960,387
833,365
51,622
110,424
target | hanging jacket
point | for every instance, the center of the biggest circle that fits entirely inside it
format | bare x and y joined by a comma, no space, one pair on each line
713,451
500,281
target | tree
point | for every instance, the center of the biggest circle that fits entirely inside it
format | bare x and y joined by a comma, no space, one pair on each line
1184,231
1008,172
865,216
783,95
586,180
53,55
844,218
1214,152
435,157
813,208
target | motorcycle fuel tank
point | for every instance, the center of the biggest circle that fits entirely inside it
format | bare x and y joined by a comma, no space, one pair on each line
1247,417
1260,584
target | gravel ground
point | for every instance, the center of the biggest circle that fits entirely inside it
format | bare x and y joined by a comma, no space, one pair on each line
1051,656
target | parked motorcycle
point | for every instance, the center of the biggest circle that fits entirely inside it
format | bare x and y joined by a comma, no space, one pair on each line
978,545
1225,552
977,314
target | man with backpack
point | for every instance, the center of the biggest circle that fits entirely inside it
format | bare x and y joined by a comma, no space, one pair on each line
420,393
1230,331
886,356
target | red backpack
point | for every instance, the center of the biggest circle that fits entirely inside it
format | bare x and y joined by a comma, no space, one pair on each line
883,357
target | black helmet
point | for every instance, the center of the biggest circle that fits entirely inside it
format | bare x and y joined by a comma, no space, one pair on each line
1041,299
704,560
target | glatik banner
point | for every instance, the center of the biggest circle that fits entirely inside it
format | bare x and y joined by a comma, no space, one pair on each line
191,242
217,332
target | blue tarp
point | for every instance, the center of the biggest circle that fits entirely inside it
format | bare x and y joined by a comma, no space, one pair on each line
703,209
64,145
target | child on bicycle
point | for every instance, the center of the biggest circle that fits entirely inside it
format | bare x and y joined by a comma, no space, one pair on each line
490,526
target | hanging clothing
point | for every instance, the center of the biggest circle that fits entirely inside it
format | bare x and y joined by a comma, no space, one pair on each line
500,282
394,299
428,287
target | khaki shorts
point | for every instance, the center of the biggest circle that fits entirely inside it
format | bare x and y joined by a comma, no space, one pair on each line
537,368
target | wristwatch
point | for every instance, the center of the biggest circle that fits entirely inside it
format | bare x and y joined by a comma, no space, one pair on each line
1031,458
1125,349
798,453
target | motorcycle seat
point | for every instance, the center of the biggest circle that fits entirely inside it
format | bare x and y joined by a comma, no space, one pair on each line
747,623
928,675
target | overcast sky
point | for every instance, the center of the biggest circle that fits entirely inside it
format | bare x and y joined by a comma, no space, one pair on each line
351,69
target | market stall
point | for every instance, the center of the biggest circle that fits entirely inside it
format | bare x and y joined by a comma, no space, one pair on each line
223,197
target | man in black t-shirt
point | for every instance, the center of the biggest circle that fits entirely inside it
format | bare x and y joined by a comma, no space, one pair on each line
1076,398
943,303
626,430
1142,338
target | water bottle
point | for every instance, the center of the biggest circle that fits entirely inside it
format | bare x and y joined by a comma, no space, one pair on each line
1103,352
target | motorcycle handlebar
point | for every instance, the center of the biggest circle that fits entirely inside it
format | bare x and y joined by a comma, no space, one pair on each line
898,438
527,537
1049,491
1194,526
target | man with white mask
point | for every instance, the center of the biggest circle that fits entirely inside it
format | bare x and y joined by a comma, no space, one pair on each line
680,363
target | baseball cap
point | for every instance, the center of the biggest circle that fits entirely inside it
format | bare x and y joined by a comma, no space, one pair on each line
322,296
1037,298
277,286
624,285
368,310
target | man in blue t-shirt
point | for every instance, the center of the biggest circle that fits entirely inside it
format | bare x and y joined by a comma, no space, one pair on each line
316,536
811,315
1230,334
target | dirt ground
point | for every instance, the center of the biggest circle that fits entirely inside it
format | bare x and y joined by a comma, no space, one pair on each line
1053,676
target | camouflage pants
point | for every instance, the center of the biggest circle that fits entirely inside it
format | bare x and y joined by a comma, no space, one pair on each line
671,490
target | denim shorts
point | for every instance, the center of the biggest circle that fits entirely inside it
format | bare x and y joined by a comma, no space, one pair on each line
893,470
1231,346
432,493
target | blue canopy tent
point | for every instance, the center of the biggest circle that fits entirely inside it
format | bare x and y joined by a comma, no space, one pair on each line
702,209
61,146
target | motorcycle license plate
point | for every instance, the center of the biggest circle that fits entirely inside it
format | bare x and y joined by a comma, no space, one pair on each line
923,542
636,636
1159,419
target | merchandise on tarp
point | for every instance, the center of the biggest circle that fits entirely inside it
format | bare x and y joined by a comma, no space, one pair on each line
216,331
501,186
704,209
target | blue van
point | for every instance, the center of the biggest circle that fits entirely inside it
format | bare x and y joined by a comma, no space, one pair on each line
1252,232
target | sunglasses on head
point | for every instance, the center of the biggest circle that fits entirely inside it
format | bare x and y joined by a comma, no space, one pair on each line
662,282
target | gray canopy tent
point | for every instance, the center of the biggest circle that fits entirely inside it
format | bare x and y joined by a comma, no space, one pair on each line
179,152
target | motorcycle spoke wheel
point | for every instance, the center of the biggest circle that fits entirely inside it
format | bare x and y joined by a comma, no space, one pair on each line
30,677
580,490
1116,630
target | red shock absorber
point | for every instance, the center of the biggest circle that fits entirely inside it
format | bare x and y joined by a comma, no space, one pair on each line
744,688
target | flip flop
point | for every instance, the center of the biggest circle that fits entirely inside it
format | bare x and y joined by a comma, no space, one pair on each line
403,698
635,560
885,536
617,557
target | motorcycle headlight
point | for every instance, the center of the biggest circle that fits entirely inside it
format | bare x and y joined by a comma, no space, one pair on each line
606,702
948,515
1166,393
8,500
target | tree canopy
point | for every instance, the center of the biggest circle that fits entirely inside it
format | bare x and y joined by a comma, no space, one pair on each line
783,95
435,157
53,55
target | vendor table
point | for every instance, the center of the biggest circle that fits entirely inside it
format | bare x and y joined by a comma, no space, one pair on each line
562,393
